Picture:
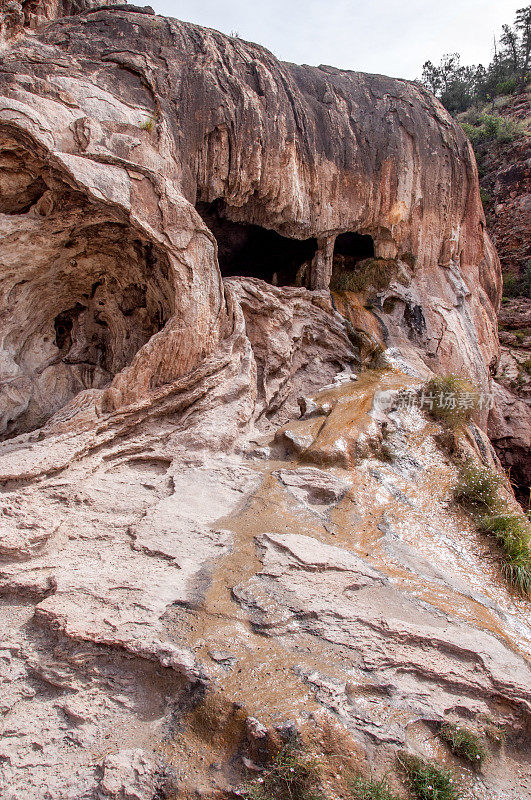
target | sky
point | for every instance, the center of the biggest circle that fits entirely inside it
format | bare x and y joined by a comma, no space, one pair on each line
391,37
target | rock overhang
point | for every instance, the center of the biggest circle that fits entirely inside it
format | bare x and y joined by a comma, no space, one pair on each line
152,116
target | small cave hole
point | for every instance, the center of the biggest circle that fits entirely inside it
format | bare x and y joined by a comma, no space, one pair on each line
255,252
19,198
355,267
350,248
63,323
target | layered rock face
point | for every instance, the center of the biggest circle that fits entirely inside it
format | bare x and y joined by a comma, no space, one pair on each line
221,520
134,134
506,181
16,16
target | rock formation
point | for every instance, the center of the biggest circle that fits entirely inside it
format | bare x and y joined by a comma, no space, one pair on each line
220,519
506,183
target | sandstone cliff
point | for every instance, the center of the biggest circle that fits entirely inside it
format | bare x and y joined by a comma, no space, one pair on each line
505,178
221,521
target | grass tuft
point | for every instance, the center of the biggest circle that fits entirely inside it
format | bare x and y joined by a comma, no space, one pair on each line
477,491
148,125
292,775
450,399
370,274
496,733
477,488
513,534
427,780
493,128
463,743
366,789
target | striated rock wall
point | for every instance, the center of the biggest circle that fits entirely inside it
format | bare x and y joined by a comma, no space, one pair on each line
128,120
506,183
16,16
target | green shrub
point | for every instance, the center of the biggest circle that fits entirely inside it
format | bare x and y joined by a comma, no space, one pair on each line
450,399
472,132
463,743
526,366
364,789
491,127
525,281
427,780
292,775
505,87
502,129
477,488
514,286
371,273
510,285
513,534
486,199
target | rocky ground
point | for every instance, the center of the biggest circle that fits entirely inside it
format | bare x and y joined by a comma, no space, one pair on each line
171,608
225,519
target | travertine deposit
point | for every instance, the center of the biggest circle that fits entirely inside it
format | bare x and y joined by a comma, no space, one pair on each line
220,521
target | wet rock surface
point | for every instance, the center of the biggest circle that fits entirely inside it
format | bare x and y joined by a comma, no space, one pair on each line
219,523
182,590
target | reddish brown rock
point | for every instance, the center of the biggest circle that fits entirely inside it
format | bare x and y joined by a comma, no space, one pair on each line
108,154
171,202
16,16
509,429
506,182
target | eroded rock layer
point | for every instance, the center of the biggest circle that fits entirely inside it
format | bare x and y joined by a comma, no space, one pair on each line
221,523
131,120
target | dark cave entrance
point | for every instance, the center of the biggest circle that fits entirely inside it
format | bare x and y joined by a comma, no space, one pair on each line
351,248
63,324
255,252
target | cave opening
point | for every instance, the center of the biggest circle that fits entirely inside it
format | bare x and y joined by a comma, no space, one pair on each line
350,248
255,252
87,290
63,324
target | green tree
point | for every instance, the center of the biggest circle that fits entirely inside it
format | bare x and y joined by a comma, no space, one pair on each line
459,87
453,83
523,26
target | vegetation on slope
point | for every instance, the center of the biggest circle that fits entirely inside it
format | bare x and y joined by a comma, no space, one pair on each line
292,775
367,789
514,286
369,274
463,743
428,780
477,491
484,127
450,399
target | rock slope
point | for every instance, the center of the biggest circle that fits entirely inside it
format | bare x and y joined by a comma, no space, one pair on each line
221,520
